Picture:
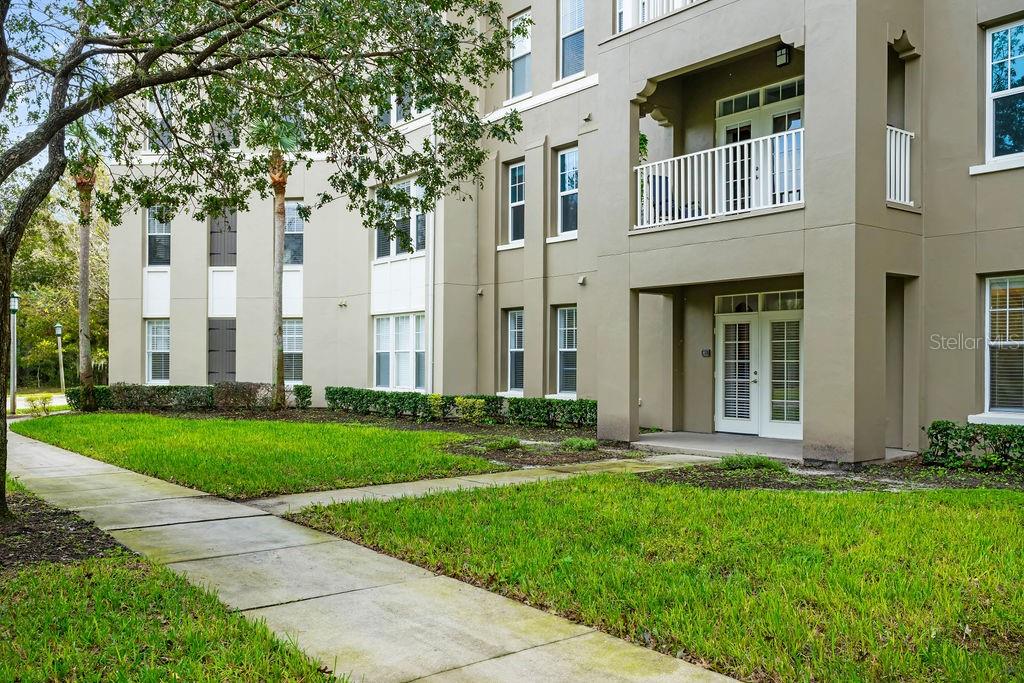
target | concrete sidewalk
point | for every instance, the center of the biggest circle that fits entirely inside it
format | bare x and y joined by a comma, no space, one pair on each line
359,612
279,505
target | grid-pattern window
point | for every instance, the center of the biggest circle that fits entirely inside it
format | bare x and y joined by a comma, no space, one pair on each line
516,202
1006,344
516,348
400,359
292,337
388,244
294,227
158,236
567,350
161,137
1006,91
158,351
785,370
568,190
571,26
519,74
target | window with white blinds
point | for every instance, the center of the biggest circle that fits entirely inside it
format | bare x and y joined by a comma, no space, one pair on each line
294,229
568,190
567,338
408,229
1006,344
517,202
292,337
158,236
571,30
785,370
519,74
516,348
400,358
158,351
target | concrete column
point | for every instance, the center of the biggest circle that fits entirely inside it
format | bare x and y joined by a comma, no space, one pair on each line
535,305
618,388
844,350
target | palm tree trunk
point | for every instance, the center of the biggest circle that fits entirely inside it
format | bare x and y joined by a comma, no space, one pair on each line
85,182
279,181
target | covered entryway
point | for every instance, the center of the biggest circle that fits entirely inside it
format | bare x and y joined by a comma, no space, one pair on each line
758,364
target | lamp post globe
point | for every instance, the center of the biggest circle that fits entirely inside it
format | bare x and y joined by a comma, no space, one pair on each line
15,303
58,329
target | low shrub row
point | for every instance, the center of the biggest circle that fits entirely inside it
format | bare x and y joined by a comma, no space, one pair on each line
975,446
477,409
234,396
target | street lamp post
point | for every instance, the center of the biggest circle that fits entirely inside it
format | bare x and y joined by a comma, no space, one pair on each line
15,300
59,329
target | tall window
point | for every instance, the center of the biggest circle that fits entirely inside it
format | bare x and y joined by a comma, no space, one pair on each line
1006,91
390,243
516,202
158,236
158,351
572,37
568,190
161,137
519,74
1006,344
294,227
292,337
567,350
516,346
400,358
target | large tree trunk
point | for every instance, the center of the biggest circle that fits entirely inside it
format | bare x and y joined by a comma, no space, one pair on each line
85,182
279,181
5,369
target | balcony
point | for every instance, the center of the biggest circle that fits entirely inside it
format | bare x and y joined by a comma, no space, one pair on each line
633,13
898,164
750,175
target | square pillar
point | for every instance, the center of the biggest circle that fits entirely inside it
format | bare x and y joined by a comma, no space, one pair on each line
618,388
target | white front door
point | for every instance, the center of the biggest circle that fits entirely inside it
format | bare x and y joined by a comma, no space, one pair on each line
737,372
759,374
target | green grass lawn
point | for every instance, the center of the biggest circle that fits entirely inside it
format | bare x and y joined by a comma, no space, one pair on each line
122,618
758,584
251,458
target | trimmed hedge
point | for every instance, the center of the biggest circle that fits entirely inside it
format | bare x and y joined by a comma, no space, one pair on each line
174,397
975,446
479,409
103,399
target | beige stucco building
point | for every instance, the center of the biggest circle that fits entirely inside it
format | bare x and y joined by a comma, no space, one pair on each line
799,219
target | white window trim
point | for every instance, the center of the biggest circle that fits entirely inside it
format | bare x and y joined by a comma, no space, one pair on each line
170,231
1012,416
150,351
528,54
301,352
394,253
990,98
559,349
568,236
518,244
509,350
575,191
512,205
562,35
564,396
393,351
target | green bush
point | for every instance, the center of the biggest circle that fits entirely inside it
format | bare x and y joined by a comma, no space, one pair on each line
975,446
103,397
751,462
472,409
303,394
242,395
577,444
493,405
576,413
529,412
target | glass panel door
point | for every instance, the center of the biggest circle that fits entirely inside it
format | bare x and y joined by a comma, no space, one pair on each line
783,340
737,373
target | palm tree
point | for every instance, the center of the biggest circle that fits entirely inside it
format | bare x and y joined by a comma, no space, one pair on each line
83,169
282,137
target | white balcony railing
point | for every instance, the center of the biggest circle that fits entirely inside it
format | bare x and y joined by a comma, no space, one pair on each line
745,176
632,13
898,146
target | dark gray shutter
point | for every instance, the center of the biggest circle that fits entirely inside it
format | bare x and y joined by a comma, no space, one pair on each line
221,350
224,239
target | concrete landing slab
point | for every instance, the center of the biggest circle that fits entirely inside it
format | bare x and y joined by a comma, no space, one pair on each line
197,540
590,657
409,630
167,511
272,577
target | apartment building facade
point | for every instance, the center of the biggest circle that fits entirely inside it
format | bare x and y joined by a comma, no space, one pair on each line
798,219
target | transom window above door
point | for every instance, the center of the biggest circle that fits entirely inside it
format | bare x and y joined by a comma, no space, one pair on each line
758,113
790,300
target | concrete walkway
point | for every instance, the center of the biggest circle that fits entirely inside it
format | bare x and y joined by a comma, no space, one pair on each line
359,612
279,505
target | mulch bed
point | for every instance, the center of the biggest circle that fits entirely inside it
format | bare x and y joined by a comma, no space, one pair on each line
903,476
38,532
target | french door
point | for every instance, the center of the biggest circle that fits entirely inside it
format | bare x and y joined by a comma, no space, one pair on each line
759,374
